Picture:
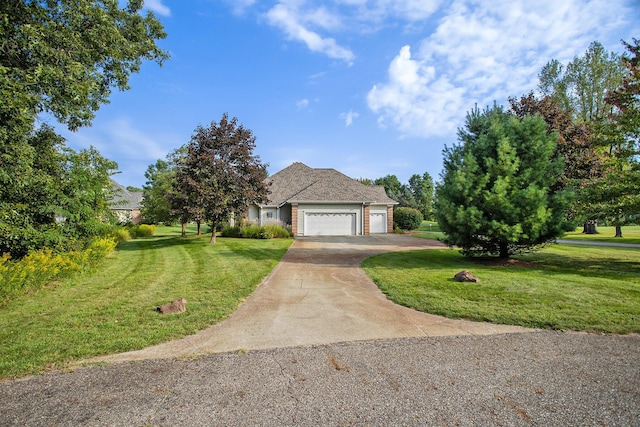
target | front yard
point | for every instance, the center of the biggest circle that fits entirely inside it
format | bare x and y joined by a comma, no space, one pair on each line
562,287
112,309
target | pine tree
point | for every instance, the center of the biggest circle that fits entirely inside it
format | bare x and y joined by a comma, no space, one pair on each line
496,194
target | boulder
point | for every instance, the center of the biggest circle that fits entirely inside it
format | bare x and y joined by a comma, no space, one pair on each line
177,306
465,276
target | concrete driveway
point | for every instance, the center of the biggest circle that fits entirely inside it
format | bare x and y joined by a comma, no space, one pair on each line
318,294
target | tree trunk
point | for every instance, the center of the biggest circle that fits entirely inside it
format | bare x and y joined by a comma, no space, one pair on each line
618,231
184,229
590,227
213,233
504,251
199,231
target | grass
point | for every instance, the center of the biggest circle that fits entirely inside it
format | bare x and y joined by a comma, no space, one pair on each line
428,230
630,234
562,287
112,309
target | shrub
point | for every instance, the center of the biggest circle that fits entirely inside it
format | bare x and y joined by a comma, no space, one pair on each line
121,235
276,231
39,268
268,231
252,231
407,218
97,249
142,230
229,231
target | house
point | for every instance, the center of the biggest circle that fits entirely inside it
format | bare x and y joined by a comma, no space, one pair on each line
126,204
324,202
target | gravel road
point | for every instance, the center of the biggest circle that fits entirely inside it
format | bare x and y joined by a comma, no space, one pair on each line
540,378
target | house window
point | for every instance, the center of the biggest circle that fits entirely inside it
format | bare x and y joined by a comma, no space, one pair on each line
269,215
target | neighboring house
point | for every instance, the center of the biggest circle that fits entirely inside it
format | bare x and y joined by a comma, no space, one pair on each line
126,204
324,202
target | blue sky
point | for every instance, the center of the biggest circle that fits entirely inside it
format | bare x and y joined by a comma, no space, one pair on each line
368,87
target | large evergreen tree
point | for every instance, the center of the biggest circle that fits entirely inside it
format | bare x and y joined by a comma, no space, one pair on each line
421,187
397,191
496,194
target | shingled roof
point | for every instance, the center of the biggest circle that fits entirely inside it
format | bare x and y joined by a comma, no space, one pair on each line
124,199
299,183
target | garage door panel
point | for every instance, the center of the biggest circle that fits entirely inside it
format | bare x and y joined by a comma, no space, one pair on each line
377,223
330,224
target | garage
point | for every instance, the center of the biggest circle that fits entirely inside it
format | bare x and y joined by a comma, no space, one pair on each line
377,223
329,224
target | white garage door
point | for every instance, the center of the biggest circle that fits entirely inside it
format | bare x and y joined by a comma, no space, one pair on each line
378,223
330,224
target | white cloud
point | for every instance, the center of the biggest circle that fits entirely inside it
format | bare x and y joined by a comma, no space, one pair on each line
370,12
119,139
415,101
124,142
481,52
349,117
240,6
292,23
127,139
302,104
411,10
317,24
157,7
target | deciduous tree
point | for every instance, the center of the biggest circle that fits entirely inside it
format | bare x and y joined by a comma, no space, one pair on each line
51,196
158,190
63,57
583,161
220,175
581,88
617,195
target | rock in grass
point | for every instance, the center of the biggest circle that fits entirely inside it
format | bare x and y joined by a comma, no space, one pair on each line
465,276
177,306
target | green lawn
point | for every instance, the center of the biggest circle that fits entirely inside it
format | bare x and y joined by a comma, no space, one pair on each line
428,230
630,234
562,287
112,309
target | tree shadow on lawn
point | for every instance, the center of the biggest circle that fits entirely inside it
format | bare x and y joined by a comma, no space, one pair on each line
604,266
550,264
225,247
155,243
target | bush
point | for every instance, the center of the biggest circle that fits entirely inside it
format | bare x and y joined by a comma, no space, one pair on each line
142,230
407,218
276,231
121,235
229,231
39,268
97,249
252,231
